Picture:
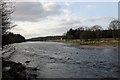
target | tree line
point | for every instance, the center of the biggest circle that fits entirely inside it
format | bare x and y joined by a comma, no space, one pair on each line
95,32
12,38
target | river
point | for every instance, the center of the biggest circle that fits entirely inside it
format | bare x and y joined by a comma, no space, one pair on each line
61,60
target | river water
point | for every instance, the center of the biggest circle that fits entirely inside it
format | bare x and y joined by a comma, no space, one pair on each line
60,60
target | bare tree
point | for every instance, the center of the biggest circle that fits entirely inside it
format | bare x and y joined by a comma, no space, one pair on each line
114,25
80,28
96,27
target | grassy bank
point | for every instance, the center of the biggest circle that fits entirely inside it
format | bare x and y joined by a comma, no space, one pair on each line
88,42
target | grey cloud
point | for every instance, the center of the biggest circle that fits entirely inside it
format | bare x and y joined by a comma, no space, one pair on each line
34,11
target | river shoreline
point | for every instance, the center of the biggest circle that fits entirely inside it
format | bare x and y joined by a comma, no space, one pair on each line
92,46
12,70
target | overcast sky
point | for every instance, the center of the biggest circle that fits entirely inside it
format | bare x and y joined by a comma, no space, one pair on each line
35,19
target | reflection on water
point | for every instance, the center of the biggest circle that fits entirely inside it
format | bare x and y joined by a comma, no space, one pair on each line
59,60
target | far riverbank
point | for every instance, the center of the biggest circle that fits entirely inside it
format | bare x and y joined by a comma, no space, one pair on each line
89,44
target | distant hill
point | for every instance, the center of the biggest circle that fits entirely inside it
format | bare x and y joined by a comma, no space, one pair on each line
46,38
